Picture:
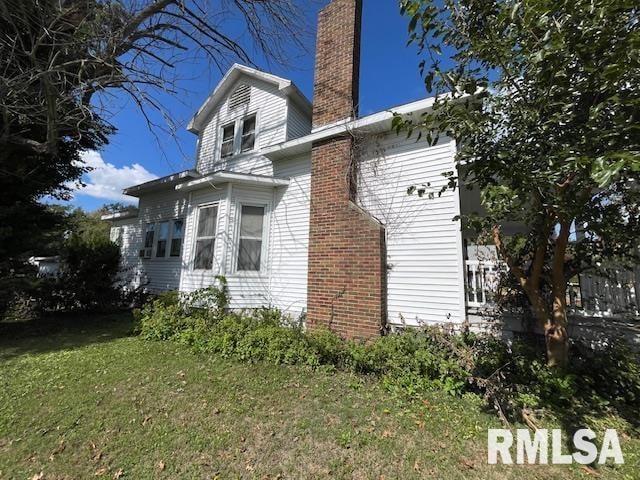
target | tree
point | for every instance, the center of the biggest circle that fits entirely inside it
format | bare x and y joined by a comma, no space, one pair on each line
59,58
543,97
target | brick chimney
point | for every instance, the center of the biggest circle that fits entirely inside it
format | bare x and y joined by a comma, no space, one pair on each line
347,256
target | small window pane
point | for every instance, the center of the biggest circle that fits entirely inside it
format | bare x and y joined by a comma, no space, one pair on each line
251,222
148,236
204,254
207,222
249,255
248,133
163,235
228,134
176,238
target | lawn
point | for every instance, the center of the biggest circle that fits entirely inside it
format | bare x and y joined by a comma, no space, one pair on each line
91,401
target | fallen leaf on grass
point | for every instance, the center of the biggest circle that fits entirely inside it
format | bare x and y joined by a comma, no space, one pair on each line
416,466
468,464
38,476
118,474
161,466
101,471
590,471
59,449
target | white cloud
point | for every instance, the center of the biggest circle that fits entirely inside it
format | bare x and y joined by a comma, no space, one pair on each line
107,181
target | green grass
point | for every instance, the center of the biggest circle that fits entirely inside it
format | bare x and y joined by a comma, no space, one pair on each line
83,399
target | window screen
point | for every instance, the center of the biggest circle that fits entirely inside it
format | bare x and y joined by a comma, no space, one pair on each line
176,238
250,246
163,236
205,238
148,240
228,135
248,133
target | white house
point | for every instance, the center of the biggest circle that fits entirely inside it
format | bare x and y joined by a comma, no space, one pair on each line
305,207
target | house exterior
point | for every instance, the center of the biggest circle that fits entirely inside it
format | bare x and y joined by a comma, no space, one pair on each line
305,208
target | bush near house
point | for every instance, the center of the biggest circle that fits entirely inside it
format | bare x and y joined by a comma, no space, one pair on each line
512,379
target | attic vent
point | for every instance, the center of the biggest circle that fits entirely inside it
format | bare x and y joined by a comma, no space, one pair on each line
240,96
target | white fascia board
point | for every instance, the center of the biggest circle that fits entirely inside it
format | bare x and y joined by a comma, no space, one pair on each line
235,178
122,215
231,76
376,123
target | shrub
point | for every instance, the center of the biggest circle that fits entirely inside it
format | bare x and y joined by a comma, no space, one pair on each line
409,363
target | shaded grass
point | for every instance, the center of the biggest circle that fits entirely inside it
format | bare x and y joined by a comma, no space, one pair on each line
83,398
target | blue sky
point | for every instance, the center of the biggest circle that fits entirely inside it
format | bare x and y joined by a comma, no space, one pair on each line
388,77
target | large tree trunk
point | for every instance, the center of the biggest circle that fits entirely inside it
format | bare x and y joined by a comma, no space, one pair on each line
555,331
554,326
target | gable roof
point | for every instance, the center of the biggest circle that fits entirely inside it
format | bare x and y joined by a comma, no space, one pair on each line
232,75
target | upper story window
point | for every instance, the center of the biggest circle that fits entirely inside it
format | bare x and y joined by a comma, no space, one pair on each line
228,138
248,134
205,237
250,241
245,130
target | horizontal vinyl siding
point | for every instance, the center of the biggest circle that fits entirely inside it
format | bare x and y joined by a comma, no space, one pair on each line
128,232
290,236
158,274
194,279
298,122
247,289
270,106
423,250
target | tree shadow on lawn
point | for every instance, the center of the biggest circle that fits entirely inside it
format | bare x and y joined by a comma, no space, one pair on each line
62,331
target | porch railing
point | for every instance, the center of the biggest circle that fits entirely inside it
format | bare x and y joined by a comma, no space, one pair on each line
591,295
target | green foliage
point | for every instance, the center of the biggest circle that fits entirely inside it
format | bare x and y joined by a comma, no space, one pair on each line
87,278
410,363
543,98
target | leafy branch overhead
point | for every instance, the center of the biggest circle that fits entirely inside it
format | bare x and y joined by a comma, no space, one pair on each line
56,55
543,97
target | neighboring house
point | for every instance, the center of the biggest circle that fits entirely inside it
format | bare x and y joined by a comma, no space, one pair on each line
305,207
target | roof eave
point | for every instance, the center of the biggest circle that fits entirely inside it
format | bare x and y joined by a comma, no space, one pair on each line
159,183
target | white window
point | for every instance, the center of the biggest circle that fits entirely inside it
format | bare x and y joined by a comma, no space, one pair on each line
248,134
250,238
163,236
176,238
205,237
148,240
228,138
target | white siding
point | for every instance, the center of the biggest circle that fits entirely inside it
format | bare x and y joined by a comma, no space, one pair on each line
158,274
270,106
424,253
127,234
193,279
290,236
283,281
298,122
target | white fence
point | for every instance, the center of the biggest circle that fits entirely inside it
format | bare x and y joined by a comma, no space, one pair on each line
589,295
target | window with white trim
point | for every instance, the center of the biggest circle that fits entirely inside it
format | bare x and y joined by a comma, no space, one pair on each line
228,139
250,238
149,236
163,237
177,234
248,134
205,237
